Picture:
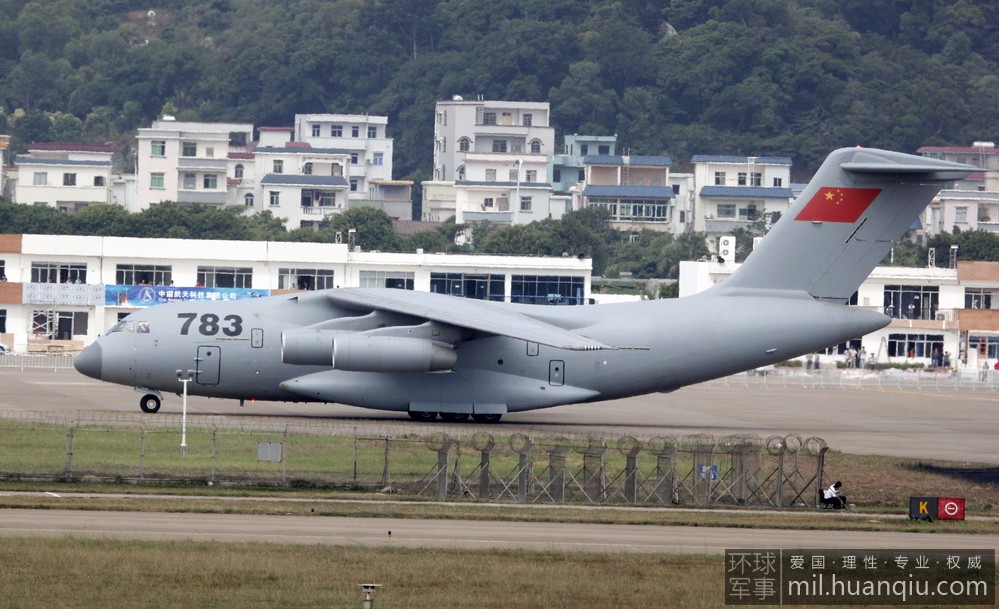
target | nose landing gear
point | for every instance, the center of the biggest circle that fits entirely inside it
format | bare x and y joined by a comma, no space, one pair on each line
150,401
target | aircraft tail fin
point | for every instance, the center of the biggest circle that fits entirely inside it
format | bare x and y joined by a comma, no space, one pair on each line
845,222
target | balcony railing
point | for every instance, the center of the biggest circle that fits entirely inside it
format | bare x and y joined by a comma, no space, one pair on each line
323,210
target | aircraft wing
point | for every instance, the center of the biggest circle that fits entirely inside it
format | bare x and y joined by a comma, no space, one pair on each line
479,315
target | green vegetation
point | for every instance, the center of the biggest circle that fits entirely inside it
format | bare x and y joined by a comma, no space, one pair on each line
683,77
757,77
102,573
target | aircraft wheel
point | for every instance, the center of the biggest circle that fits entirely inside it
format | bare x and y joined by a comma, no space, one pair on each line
423,417
454,417
149,403
487,418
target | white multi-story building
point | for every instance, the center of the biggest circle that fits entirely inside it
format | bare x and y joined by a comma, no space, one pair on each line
301,184
4,159
984,155
189,162
735,191
967,210
638,192
363,137
64,291
568,169
64,175
496,155
969,204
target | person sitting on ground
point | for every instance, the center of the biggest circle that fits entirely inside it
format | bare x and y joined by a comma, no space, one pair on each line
832,497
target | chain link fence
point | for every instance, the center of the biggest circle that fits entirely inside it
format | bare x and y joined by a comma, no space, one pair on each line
964,379
694,470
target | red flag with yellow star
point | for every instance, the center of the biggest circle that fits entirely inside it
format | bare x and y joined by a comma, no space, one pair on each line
831,204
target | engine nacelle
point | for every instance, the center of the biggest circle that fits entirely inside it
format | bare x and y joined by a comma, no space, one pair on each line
307,347
361,353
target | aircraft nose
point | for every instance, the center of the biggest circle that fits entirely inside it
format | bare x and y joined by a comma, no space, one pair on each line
88,362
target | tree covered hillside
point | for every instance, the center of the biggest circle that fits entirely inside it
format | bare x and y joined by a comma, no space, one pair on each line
676,77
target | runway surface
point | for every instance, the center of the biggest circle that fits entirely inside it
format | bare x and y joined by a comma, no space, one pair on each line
459,534
928,424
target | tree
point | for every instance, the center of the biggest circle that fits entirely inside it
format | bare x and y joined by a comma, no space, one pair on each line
32,126
66,128
104,220
372,229
518,240
430,241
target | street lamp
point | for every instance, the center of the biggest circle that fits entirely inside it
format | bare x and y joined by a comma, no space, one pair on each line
185,377
369,595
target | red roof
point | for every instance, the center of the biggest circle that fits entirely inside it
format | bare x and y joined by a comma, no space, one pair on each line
275,128
71,147
298,145
241,155
411,227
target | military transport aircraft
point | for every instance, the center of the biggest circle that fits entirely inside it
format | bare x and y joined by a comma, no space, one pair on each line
435,355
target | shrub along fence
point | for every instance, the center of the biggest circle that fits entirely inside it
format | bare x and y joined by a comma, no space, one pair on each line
696,470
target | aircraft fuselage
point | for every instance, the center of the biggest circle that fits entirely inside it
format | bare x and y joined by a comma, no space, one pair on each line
234,350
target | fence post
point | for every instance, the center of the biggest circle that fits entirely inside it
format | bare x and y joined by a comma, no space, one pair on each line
142,455
523,446
214,454
284,458
556,465
69,453
704,468
630,448
385,470
484,442
820,463
593,470
443,455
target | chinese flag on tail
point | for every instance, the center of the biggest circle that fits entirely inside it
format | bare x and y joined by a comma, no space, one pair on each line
832,204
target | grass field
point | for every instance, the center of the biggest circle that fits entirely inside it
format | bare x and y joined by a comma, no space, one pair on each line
73,573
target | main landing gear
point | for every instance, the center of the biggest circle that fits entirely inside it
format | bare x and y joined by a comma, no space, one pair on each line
453,417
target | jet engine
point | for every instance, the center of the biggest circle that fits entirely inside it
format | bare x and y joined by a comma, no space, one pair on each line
307,347
359,352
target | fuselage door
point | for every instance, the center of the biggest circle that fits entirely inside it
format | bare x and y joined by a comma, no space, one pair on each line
209,364
556,372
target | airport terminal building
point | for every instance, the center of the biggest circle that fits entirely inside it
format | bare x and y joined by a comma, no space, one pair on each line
59,293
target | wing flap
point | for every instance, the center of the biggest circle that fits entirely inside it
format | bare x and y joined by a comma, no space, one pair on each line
479,315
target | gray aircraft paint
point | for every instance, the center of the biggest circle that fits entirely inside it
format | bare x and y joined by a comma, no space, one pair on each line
427,353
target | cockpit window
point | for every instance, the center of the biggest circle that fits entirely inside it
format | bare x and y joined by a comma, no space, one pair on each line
142,327
128,326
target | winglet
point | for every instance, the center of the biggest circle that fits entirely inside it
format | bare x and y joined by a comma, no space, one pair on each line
859,203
